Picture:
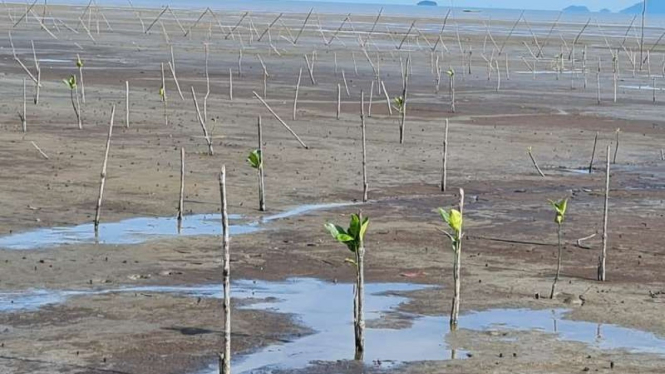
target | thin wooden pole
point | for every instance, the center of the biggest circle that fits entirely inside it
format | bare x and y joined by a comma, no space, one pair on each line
603,256
616,148
225,367
230,85
535,164
310,69
103,174
175,78
339,100
205,98
181,201
593,153
346,86
164,97
280,120
203,124
444,173
385,92
127,104
24,121
295,99
78,58
262,191
40,150
364,145
371,98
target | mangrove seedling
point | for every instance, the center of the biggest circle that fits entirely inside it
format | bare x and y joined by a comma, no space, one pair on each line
353,238
74,95
455,221
560,208
255,160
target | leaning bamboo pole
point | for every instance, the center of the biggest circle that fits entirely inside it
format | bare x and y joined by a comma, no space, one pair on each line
444,172
295,99
364,146
280,120
262,191
127,104
103,173
206,135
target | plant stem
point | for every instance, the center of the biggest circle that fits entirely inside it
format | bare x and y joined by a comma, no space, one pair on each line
262,197
457,270
360,299
558,266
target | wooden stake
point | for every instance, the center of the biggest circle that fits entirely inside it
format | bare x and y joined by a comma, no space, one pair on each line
295,99
39,149
444,173
593,153
203,125
164,97
616,148
127,104
103,174
362,125
603,255
339,100
181,203
205,98
371,97
280,120
230,85
225,367
310,68
360,299
24,122
175,79
385,92
262,191
535,164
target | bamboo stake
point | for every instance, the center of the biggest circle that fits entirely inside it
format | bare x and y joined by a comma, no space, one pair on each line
364,145
230,85
156,19
25,14
269,27
225,364
405,84
239,62
603,256
181,201
295,99
444,173
205,98
280,120
295,41
310,68
355,65
371,97
407,34
529,151
39,149
103,174
126,104
202,123
175,78
457,272
24,122
346,86
262,191
360,299
164,96
593,153
385,92
616,148
339,100
644,12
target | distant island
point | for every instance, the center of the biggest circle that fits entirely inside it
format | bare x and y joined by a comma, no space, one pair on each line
427,3
653,7
576,9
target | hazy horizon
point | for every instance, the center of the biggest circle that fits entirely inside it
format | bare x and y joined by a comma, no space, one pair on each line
594,5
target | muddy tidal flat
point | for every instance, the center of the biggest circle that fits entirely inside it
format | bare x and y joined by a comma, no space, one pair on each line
144,296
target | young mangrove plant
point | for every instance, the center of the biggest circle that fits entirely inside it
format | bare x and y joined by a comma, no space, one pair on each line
455,221
74,95
354,238
255,160
560,208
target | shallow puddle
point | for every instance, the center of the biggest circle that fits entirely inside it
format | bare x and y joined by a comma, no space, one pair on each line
142,229
326,308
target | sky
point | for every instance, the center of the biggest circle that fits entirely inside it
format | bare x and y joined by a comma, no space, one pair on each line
614,5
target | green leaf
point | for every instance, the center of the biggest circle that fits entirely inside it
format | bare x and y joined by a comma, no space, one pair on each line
79,63
162,92
444,215
560,207
450,72
334,230
363,228
71,82
455,220
354,226
344,238
255,159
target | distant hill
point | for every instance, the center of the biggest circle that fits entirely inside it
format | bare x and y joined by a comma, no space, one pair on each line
576,9
653,7
427,3
605,11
